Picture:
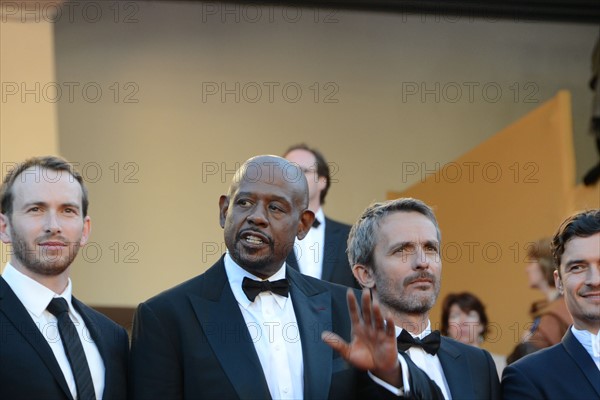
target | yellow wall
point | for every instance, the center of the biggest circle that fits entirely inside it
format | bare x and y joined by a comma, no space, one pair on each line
148,146
586,197
156,220
28,117
28,121
497,199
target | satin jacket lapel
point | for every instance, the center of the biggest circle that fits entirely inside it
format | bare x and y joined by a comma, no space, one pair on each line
583,360
456,370
292,261
217,310
332,233
313,314
18,315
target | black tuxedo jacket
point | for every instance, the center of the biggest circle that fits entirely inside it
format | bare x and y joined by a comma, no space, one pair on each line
469,371
563,371
336,268
28,368
191,342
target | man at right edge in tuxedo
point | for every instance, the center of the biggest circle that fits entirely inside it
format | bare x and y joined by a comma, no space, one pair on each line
569,369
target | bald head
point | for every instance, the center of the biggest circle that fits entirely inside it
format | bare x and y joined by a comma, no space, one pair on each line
265,209
271,169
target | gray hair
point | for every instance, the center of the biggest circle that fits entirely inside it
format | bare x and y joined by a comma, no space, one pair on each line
364,233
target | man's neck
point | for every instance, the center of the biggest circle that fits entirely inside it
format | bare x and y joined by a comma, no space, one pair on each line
264,271
414,323
592,327
314,205
56,283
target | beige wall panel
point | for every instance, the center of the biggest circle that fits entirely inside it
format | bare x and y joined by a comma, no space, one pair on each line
186,97
492,203
28,115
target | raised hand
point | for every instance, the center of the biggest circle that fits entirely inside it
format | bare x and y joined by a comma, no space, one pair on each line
373,345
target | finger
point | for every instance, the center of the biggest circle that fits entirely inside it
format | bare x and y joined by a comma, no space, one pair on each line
353,308
377,316
390,329
336,342
366,307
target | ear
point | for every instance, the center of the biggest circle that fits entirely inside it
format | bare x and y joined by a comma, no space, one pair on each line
558,282
364,276
322,182
4,229
87,229
480,333
223,207
306,219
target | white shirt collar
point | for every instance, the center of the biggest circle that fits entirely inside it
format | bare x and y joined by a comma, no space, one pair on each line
589,341
236,274
421,335
320,215
34,296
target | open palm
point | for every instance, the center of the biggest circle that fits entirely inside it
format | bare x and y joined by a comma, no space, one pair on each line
373,346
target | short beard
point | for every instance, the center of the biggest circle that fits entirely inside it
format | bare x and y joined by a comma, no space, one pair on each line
33,260
592,316
397,300
250,262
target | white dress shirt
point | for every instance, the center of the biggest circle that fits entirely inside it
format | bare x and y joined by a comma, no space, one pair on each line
590,342
35,297
309,251
430,364
272,325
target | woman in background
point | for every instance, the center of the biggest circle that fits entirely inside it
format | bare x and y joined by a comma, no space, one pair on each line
550,317
464,319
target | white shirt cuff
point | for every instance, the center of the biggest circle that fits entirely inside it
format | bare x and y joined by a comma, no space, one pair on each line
405,385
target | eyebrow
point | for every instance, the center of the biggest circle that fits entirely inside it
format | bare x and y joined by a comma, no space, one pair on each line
44,204
578,261
273,196
34,203
402,244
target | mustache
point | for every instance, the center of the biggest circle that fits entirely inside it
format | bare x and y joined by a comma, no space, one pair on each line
52,238
421,275
589,290
250,230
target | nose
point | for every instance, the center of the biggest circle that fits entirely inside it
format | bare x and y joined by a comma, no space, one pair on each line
258,216
422,259
52,223
594,275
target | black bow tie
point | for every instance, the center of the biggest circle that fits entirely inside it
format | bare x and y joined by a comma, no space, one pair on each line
252,288
316,223
430,343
